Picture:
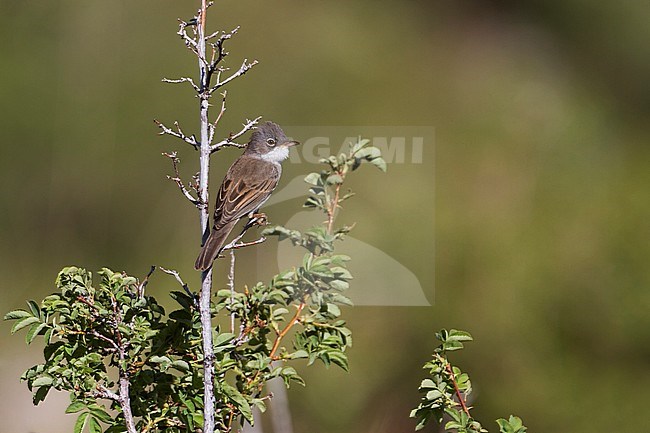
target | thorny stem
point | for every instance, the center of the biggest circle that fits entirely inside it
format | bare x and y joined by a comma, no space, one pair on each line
334,203
331,210
458,393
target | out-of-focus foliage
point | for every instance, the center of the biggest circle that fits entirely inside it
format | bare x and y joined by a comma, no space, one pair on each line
447,390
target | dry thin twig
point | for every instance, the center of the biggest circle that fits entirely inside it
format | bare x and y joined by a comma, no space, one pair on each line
191,140
144,282
230,141
245,67
183,284
182,80
177,179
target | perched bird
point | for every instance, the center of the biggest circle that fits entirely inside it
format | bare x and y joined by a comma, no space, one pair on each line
249,182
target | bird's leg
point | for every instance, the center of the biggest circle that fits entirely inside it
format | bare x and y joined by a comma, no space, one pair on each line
258,219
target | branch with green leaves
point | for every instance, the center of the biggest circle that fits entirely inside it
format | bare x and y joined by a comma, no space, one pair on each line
446,391
130,366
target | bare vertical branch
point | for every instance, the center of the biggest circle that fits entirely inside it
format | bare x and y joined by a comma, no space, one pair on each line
194,36
125,400
125,404
209,400
231,286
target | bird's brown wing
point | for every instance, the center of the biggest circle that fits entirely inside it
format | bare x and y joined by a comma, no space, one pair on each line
247,185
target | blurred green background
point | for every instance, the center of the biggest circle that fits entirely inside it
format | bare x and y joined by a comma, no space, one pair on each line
542,173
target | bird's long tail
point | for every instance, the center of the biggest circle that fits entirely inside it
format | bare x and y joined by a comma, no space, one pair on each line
213,246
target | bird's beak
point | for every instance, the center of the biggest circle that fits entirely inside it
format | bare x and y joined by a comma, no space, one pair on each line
291,143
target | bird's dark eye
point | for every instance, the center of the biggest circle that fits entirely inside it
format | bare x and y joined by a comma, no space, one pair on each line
270,141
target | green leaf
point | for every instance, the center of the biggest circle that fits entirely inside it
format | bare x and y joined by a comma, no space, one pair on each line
42,381
181,366
160,359
22,323
94,426
341,273
259,404
99,413
434,394
379,163
224,339
314,202
339,285
339,358
299,354
81,422
75,407
359,144
17,314
35,309
197,418
239,401
456,335
40,394
313,179
34,331
334,179
512,425
334,310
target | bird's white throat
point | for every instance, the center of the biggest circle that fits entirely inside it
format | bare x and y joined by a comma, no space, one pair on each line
277,155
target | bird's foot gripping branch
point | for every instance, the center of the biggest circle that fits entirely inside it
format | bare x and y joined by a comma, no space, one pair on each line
128,365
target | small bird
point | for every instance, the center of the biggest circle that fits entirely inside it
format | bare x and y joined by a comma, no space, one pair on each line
248,184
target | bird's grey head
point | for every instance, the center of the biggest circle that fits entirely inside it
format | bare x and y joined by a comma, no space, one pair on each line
270,143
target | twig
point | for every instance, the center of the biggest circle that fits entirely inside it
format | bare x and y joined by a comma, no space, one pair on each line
103,392
239,245
245,67
182,80
144,282
183,284
213,125
243,335
235,244
106,339
189,41
174,159
458,393
218,52
331,209
286,329
230,141
191,140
